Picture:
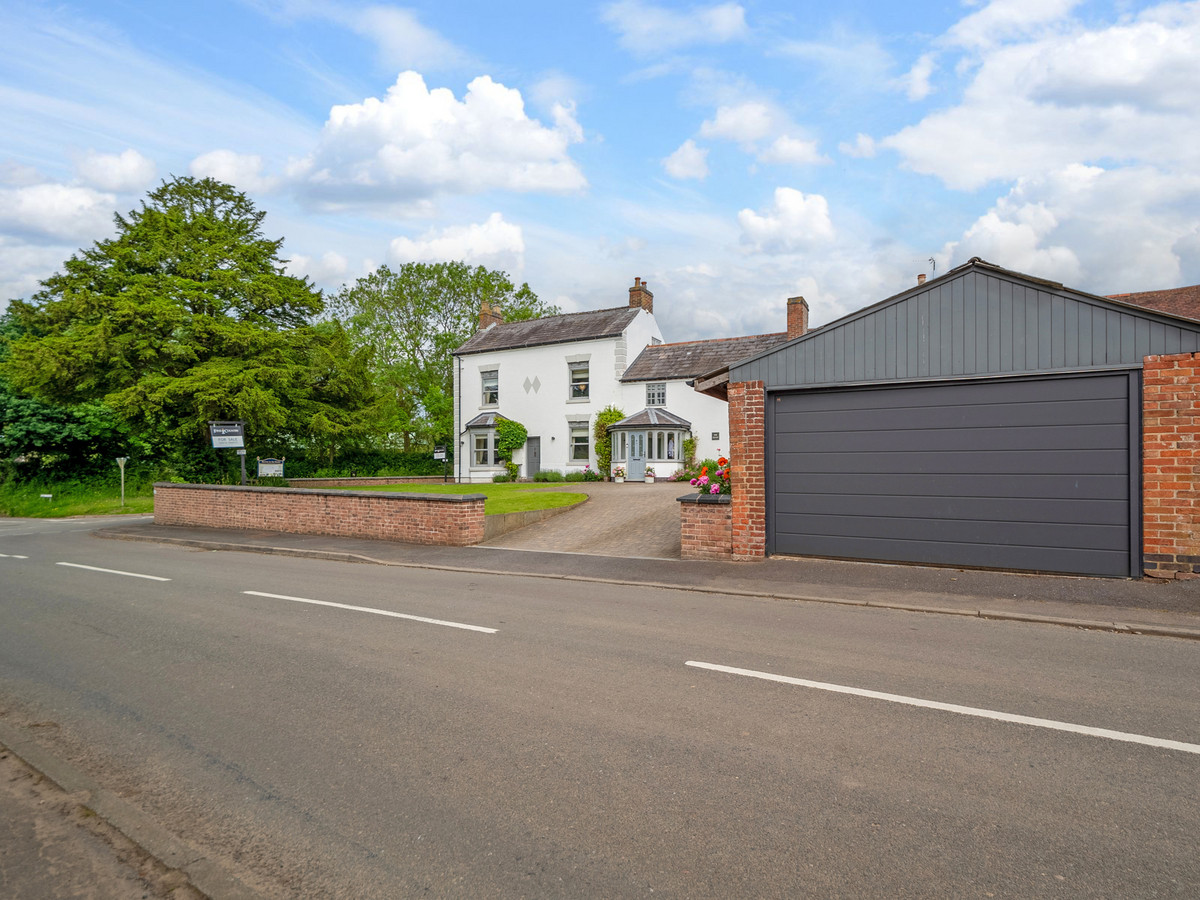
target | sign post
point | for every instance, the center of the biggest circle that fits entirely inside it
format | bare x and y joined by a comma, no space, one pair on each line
121,460
230,435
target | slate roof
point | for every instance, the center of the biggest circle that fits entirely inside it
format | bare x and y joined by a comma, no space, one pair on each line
560,329
485,420
1184,301
688,359
653,417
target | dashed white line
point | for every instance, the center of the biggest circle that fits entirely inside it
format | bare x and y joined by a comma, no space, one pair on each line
113,571
955,708
12,556
378,612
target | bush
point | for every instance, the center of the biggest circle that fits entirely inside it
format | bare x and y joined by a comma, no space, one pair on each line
574,476
501,478
272,481
548,475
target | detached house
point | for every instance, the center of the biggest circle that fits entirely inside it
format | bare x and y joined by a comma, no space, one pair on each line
556,373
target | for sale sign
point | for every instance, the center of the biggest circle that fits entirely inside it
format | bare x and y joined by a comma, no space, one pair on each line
227,434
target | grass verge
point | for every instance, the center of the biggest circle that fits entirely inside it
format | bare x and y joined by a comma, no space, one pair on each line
26,501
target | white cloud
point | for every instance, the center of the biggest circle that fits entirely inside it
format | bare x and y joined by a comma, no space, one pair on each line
743,123
792,151
494,243
57,212
689,161
1105,231
23,266
417,143
326,271
1124,92
1002,19
123,172
916,82
761,129
404,43
862,148
243,170
648,29
793,222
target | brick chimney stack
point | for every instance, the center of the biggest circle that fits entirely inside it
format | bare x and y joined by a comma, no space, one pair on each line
797,317
489,315
640,296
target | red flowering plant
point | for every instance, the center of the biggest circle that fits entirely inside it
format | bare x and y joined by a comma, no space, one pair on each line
715,477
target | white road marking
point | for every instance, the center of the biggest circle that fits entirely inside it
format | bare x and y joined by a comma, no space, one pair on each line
12,556
962,710
113,571
378,612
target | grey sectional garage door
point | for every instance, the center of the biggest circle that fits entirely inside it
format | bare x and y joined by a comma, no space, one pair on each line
1029,474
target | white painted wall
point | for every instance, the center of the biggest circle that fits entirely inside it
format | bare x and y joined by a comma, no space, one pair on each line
708,415
535,391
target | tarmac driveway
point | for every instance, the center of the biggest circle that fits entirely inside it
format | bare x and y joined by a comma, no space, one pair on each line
630,519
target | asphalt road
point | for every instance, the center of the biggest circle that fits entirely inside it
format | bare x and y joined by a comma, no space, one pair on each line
565,744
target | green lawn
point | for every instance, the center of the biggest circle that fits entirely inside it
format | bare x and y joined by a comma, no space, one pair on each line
26,501
502,498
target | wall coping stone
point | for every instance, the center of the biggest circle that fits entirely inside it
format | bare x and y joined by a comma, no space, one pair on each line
383,495
707,499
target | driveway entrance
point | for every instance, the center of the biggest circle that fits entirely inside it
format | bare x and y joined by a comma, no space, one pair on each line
631,519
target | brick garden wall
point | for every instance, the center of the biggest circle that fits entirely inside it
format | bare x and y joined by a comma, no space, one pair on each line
1171,465
454,520
706,525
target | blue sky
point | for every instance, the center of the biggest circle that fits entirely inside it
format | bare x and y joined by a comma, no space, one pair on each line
730,154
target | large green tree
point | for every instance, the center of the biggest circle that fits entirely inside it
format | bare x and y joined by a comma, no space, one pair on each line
186,315
412,318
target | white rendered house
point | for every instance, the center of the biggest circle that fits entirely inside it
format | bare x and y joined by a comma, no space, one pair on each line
556,373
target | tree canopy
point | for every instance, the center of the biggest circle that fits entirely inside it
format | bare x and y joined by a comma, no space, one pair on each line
187,315
412,319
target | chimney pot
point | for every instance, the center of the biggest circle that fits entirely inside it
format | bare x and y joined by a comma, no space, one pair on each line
921,278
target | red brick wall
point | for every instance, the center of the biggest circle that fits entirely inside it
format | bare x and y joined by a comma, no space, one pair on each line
747,456
1171,465
449,519
706,528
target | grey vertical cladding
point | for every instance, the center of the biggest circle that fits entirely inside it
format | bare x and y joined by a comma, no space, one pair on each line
1027,473
975,324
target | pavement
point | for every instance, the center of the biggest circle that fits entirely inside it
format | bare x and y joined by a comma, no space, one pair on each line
617,537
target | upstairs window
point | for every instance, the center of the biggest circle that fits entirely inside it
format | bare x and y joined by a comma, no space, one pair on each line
491,387
656,394
579,380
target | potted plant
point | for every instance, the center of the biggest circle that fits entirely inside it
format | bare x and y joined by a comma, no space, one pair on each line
649,475
619,474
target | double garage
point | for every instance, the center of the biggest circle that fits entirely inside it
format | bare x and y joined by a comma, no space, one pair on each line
985,419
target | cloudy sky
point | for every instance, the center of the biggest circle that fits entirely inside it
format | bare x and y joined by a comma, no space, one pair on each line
731,154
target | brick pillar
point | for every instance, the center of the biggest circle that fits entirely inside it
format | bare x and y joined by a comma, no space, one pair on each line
1171,465
797,317
747,455
640,296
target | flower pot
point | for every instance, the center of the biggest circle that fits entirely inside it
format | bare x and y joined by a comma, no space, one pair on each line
649,479
619,479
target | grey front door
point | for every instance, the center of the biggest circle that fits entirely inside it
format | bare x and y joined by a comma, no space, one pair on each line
533,456
637,456
1028,473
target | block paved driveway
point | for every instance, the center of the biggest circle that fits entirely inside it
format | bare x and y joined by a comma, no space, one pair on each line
630,519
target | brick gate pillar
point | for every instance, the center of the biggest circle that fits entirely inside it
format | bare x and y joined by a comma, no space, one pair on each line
1171,465
747,455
